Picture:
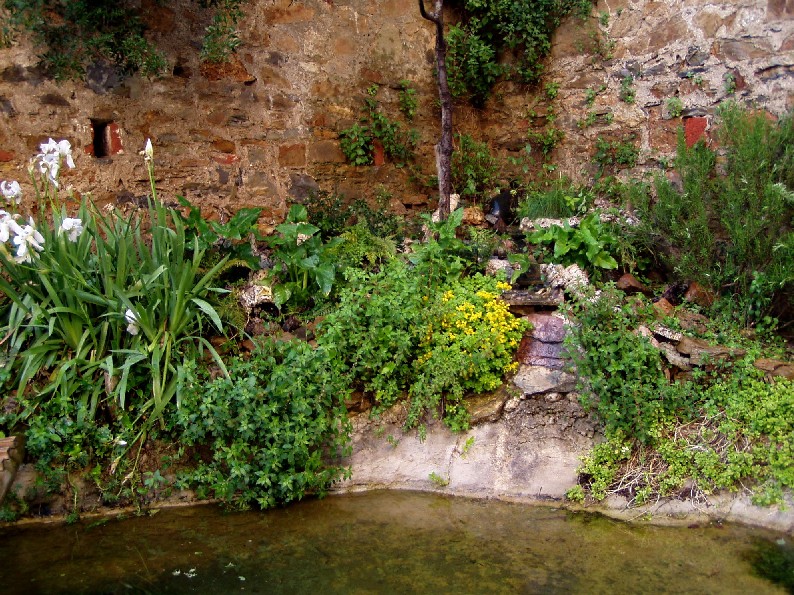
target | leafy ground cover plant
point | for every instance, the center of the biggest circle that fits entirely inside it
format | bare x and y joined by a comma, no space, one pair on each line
234,238
272,426
587,245
727,428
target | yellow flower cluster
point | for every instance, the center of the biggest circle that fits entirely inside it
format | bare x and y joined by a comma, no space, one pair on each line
476,329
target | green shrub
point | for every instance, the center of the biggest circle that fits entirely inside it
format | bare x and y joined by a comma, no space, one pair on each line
621,372
397,336
275,426
729,227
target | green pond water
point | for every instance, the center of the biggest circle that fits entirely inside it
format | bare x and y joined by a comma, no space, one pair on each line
389,542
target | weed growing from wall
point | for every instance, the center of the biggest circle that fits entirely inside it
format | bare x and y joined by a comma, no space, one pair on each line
357,141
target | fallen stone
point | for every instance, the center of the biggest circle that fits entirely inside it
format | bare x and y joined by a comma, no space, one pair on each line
11,455
486,408
776,367
536,380
571,278
700,352
256,292
501,268
697,294
663,308
667,333
523,301
547,328
473,216
629,284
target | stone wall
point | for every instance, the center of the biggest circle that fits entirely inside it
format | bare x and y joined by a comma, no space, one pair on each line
264,130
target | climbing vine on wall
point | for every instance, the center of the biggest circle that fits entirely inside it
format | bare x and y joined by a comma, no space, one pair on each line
491,28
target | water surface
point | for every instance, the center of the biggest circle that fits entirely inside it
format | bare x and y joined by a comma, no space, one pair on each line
383,542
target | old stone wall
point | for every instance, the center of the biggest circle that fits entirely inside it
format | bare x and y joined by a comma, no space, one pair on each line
263,131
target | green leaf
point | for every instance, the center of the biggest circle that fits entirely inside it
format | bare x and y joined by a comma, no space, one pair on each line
281,295
209,311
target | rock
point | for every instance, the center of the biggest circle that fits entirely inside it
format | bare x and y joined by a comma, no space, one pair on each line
256,292
102,77
528,224
486,408
548,328
776,367
473,216
535,380
11,455
571,278
692,321
498,267
454,200
667,333
674,358
663,308
629,284
533,352
700,351
697,294
523,301
357,403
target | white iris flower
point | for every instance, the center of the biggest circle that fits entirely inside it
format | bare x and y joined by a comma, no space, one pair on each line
72,227
26,238
132,322
148,151
11,191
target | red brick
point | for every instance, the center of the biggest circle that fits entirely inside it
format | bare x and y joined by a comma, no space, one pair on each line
114,139
695,129
226,158
378,153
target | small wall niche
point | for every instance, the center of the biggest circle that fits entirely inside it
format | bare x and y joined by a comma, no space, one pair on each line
106,140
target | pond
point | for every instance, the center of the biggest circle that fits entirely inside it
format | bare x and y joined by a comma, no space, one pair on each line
388,542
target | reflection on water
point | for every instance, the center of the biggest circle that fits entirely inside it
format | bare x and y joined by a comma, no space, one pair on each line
385,542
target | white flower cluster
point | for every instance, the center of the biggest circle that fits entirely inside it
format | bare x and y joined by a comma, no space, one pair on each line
26,239
49,160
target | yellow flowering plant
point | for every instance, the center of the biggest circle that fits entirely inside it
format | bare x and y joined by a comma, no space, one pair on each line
468,347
